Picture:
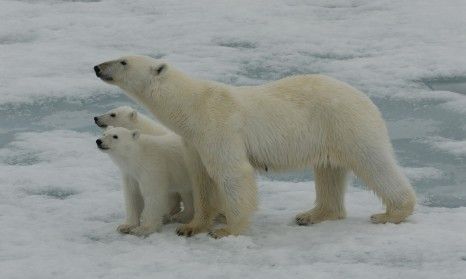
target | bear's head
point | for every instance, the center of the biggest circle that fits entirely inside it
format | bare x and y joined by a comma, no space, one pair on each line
132,73
118,140
123,116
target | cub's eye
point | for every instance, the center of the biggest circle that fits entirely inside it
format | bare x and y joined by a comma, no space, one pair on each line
112,115
123,62
115,136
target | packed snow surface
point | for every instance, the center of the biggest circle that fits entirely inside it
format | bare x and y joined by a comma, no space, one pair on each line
61,199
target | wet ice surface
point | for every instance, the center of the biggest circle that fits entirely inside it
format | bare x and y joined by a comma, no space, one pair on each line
60,199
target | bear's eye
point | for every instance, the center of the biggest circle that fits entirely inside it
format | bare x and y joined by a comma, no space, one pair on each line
123,62
112,115
115,136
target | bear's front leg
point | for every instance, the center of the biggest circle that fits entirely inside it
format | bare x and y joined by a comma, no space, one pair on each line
155,205
239,192
229,166
133,203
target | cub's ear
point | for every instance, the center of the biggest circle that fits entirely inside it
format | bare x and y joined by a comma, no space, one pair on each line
159,69
135,134
108,128
133,115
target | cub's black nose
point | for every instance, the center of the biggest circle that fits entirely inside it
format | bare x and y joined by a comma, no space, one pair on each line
99,142
97,70
96,119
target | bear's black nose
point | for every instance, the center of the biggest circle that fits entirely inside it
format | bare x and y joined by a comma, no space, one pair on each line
96,119
97,70
99,142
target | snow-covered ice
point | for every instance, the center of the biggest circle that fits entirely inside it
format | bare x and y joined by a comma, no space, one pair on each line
61,200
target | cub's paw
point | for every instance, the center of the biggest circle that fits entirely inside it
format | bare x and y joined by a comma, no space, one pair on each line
188,230
219,233
143,231
125,228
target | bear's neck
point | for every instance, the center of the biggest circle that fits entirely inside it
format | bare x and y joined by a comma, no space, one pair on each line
174,100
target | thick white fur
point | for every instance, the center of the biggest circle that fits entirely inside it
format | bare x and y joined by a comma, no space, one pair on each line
131,119
297,122
153,169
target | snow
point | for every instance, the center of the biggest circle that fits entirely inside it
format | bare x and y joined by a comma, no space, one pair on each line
62,225
61,199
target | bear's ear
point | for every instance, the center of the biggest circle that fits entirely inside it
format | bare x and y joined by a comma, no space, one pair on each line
135,134
108,128
133,115
159,69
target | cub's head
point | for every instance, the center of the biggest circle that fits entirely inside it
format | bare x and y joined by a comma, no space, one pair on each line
131,73
117,140
124,116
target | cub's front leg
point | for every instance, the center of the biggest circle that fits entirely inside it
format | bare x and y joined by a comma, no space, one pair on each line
155,196
133,203
203,190
236,182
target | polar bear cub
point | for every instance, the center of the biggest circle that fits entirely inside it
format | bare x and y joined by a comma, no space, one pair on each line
153,167
129,118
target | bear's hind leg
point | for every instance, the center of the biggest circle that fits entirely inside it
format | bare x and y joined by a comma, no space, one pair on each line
330,184
382,175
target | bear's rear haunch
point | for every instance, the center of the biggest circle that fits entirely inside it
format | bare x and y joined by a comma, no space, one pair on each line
297,122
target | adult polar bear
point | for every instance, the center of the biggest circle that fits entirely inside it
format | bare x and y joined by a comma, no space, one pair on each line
293,123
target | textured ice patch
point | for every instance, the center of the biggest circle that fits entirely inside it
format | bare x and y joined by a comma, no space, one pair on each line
445,198
455,147
52,192
16,38
235,43
50,146
67,120
411,128
418,174
458,105
453,84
